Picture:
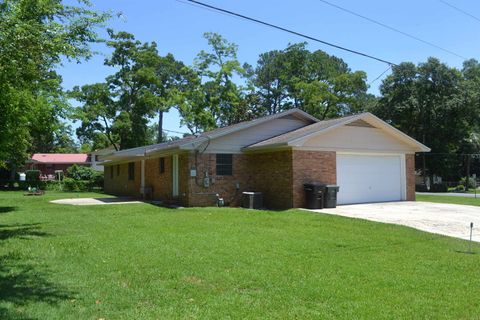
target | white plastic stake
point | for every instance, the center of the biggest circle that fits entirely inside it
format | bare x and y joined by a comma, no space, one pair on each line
470,243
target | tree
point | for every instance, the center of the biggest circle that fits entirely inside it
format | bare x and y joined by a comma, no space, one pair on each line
315,82
217,69
97,115
34,38
428,102
120,108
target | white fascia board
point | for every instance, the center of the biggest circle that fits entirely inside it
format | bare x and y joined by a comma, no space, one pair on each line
297,142
397,133
274,146
372,119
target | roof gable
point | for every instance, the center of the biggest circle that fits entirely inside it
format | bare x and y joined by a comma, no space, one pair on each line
298,137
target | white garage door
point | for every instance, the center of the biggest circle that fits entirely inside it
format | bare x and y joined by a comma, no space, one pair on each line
369,178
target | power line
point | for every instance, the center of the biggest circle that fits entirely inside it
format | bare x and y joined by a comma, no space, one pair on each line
381,74
459,10
173,131
220,10
392,28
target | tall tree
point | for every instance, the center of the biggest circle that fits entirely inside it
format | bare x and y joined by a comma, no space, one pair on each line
217,68
121,107
35,35
428,103
316,82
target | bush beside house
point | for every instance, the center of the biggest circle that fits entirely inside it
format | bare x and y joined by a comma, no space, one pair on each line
80,178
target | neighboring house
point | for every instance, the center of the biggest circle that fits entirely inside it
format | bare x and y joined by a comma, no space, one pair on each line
370,160
48,163
96,158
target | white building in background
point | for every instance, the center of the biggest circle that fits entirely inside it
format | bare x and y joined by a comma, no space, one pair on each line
96,158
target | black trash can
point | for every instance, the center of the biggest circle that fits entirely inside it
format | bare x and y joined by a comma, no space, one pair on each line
331,191
314,193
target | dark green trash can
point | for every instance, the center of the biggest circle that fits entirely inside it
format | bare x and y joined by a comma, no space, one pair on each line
314,193
331,191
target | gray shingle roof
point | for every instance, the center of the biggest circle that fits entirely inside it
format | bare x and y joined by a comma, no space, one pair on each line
141,151
301,132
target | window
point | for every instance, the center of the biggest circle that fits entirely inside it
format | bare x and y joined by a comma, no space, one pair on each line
118,170
111,172
97,158
131,171
224,164
161,165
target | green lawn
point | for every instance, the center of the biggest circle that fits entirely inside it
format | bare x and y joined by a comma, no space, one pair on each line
139,261
450,199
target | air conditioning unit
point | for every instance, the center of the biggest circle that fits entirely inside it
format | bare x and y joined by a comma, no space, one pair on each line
252,200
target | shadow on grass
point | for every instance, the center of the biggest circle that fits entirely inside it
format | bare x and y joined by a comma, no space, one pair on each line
7,209
24,231
22,283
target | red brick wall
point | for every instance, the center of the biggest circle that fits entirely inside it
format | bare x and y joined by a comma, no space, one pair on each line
309,166
279,175
271,174
161,183
120,185
224,186
410,172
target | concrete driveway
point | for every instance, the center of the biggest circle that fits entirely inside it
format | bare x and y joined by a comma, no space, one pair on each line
447,219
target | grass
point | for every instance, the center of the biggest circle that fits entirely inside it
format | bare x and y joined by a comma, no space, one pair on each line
450,199
139,261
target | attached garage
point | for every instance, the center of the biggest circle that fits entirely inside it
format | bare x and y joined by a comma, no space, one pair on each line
369,160
367,178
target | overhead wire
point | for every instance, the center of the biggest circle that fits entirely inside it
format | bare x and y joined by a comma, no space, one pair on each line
392,28
380,75
459,10
271,25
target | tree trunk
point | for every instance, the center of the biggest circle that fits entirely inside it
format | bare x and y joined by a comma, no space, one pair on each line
160,126
467,180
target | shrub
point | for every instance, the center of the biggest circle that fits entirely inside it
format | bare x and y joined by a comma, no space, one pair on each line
53,185
459,188
471,182
439,187
70,184
421,188
32,175
86,177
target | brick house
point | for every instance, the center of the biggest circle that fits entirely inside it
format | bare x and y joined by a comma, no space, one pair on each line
370,160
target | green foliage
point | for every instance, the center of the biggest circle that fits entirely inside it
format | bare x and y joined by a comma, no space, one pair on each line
316,82
35,35
432,103
460,188
70,184
80,172
223,97
81,178
32,175
145,84
472,183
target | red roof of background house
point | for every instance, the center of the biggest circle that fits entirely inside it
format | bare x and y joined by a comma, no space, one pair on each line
60,157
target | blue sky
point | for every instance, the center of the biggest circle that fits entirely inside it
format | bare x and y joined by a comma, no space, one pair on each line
178,28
